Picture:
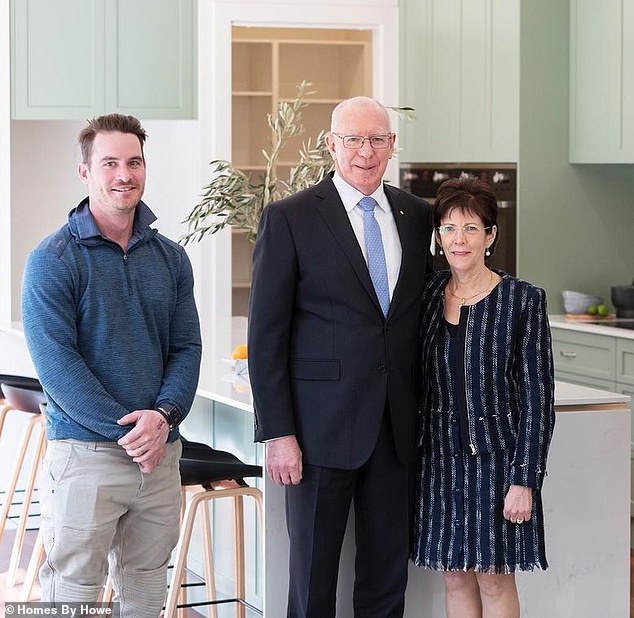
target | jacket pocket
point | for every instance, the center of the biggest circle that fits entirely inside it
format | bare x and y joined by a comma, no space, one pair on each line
310,369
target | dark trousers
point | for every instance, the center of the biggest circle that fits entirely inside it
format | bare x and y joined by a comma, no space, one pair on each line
317,512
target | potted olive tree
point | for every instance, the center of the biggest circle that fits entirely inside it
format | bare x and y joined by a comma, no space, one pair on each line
232,198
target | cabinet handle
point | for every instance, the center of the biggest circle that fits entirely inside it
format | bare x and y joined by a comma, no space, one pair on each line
568,354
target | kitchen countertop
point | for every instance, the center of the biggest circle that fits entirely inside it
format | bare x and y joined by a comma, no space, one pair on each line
576,397
602,328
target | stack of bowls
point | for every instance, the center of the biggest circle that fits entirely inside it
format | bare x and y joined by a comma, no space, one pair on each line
578,302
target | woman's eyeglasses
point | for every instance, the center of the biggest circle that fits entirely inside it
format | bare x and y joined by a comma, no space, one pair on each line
471,229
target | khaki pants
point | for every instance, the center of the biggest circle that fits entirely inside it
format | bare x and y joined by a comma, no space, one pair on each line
98,507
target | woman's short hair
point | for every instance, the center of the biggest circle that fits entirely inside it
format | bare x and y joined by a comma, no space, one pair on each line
470,195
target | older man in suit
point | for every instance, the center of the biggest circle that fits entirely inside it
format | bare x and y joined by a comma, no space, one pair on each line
337,275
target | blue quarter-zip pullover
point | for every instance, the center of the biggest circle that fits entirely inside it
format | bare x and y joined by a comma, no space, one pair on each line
110,331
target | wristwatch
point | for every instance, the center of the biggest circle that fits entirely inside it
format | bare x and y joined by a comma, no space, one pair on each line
171,414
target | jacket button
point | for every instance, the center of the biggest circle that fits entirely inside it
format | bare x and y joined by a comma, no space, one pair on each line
381,368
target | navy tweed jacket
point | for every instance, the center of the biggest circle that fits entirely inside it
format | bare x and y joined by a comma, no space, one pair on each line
509,372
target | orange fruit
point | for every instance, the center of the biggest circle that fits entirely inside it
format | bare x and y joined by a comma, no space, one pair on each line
239,352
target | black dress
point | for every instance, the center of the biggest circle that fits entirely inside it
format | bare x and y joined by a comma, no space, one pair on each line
459,523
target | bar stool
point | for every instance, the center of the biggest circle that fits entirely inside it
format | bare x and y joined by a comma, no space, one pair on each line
5,409
201,468
26,400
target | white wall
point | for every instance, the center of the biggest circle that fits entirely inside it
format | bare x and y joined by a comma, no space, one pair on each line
44,187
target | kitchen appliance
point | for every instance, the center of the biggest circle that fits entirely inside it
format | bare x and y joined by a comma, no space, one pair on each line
423,179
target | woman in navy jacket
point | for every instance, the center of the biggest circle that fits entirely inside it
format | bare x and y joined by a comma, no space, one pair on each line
487,414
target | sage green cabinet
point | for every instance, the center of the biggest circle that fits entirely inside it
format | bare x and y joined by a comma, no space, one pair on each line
625,362
460,71
602,81
73,59
592,359
584,358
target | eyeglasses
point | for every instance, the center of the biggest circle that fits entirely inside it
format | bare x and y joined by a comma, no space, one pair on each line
471,229
355,142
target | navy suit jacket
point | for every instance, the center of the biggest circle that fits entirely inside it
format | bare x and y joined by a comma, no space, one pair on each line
323,360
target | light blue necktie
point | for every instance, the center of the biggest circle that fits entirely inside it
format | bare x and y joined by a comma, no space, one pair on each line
376,256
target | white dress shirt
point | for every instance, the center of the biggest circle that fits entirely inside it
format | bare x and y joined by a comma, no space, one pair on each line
383,214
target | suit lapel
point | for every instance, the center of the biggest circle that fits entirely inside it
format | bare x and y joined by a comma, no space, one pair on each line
331,208
402,215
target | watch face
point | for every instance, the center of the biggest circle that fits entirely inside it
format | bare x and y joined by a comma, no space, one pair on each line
173,415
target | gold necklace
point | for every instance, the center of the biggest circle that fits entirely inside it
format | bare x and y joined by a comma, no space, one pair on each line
463,300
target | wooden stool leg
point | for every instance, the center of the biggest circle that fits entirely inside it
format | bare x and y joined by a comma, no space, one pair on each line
181,556
108,591
210,575
182,593
238,563
37,558
18,542
19,462
5,408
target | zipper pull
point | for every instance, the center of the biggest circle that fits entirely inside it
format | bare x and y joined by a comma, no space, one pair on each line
473,450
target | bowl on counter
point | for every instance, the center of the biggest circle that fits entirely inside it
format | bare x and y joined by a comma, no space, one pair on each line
578,302
623,300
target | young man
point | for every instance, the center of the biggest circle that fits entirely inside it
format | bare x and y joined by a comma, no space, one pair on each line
337,278
111,324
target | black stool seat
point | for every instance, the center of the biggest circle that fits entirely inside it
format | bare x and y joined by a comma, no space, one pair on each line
200,465
19,381
23,398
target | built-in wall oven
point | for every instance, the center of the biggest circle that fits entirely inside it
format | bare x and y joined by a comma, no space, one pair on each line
423,179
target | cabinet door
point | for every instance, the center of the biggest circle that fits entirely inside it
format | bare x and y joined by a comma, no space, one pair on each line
460,71
73,59
629,390
575,378
601,81
150,58
585,355
625,362
57,59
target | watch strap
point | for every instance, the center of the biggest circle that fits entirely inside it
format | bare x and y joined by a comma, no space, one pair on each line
170,413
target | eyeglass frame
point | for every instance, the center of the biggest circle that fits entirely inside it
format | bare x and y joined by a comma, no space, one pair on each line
369,139
462,227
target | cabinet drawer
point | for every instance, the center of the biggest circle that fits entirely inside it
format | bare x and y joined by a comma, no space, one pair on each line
574,378
625,361
585,354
